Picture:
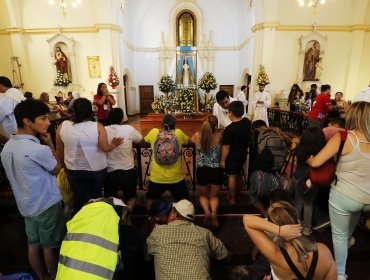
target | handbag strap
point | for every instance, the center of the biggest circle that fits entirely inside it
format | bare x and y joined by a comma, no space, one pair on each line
343,137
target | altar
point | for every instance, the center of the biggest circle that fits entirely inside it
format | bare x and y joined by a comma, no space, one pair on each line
188,125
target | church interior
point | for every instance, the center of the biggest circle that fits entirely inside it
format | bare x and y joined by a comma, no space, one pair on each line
173,56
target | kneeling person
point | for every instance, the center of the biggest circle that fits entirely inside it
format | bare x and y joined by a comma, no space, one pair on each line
166,167
181,249
121,172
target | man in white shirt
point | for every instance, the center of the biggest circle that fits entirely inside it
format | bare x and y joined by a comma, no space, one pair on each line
220,108
263,101
243,98
121,172
13,96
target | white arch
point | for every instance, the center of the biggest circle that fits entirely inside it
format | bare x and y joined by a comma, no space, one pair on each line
199,20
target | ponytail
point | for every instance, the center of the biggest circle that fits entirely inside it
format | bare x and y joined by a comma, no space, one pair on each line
206,137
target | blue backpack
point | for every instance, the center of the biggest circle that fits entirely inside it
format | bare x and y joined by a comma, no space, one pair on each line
166,147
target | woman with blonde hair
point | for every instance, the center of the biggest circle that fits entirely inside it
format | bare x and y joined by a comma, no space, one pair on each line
291,255
209,173
350,195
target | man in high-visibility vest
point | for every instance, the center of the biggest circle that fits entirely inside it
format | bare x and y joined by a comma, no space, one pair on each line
90,248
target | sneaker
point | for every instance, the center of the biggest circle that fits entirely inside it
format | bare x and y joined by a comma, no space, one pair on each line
307,231
342,277
351,242
322,226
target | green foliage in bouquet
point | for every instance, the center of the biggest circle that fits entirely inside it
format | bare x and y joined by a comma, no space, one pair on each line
166,84
185,97
207,82
60,81
263,78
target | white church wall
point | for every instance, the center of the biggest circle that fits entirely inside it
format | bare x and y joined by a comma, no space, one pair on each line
364,77
289,12
221,17
226,68
5,54
285,70
40,14
43,71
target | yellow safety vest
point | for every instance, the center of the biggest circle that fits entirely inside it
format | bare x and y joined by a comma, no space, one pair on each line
89,250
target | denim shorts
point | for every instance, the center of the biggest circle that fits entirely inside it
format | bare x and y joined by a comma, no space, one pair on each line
48,228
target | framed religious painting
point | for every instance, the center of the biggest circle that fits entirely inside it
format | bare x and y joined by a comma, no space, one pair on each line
93,64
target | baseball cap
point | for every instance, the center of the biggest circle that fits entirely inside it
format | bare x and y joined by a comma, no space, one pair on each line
160,207
185,208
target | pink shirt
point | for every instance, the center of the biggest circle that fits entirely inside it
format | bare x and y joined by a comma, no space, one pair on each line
330,131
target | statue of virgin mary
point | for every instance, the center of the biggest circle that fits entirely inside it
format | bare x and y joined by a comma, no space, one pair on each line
186,76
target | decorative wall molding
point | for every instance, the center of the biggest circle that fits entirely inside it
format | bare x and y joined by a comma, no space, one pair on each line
329,28
52,30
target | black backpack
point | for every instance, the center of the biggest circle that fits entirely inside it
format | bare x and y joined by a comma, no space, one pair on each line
272,151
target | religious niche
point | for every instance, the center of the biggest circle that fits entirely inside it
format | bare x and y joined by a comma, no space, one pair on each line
63,62
186,29
312,62
62,65
186,67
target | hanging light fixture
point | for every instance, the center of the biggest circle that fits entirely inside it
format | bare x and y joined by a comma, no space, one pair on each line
64,4
311,4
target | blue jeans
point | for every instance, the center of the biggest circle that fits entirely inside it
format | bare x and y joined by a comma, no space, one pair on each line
344,215
86,185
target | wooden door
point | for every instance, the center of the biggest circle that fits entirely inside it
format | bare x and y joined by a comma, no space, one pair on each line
146,99
229,89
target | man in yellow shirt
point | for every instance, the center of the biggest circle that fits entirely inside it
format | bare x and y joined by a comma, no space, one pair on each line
166,177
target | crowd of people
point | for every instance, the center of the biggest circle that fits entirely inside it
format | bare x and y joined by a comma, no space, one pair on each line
304,102
98,159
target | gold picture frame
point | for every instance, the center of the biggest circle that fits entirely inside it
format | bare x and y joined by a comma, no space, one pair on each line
93,64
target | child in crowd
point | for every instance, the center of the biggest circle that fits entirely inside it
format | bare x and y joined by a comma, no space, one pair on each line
334,126
235,141
121,172
209,173
312,141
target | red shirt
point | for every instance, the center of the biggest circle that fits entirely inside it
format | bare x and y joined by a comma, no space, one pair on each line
103,110
320,107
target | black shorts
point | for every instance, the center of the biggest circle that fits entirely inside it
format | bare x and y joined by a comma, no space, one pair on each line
209,175
234,167
124,180
178,190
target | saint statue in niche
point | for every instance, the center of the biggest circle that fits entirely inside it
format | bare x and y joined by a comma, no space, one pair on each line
61,62
186,76
312,56
318,69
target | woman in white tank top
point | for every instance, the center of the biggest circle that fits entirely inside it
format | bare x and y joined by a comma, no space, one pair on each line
351,195
81,145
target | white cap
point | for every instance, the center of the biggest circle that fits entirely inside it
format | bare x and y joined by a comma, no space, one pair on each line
185,208
363,95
